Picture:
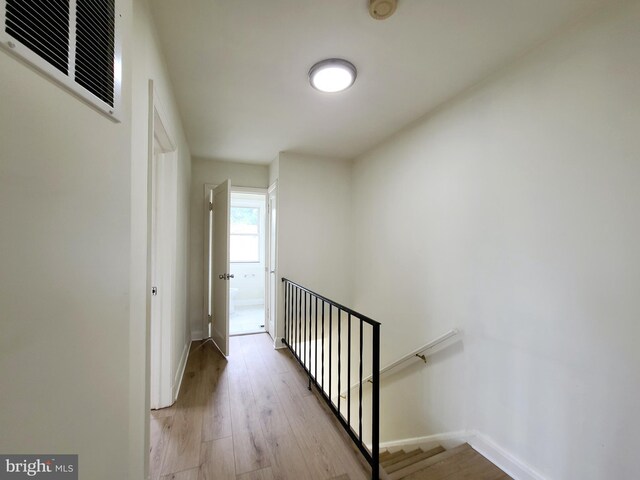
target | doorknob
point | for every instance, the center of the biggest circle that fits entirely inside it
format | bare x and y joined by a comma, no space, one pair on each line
221,276
273,271
230,275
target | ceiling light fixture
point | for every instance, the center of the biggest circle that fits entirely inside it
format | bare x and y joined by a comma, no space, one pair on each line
332,75
382,9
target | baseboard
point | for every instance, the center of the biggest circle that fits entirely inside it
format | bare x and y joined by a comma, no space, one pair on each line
177,382
279,344
196,335
512,466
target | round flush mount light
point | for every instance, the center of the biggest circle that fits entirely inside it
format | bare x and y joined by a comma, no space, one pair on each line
382,9
332,75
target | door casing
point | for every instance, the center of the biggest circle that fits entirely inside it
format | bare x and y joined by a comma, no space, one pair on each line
271,296
161,254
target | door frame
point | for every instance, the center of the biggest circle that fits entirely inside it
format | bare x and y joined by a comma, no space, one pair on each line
160,354
272,191
208,188
265,193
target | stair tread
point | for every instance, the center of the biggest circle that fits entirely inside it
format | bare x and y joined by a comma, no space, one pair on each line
392,461
393,455
466,464
414,459
427,462
384,455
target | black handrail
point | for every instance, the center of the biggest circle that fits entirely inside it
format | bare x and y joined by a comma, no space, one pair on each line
301,340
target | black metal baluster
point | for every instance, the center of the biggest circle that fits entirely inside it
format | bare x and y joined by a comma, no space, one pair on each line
315,344
294,291
339,355
309,348
330,342
349,370
375,405
293,318
323,345
309,343
286,310
290,313
304,333
360,389
299,322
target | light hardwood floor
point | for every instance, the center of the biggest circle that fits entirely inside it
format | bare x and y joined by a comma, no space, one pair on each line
248,417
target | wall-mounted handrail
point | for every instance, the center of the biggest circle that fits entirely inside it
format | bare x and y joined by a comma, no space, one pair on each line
416,353
409,356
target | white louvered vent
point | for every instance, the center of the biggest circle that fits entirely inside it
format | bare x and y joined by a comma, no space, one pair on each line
75,42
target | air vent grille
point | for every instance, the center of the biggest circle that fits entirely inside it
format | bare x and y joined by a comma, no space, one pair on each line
95,47
75,42
43,27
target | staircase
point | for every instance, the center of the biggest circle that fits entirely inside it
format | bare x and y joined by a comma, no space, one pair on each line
460,463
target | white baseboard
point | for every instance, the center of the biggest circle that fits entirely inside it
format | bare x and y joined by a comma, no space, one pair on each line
196,335
512,466
278,344
177,382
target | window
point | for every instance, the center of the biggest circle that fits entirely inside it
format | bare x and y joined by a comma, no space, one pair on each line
245,235
73,42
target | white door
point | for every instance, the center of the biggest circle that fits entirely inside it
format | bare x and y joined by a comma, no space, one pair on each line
272,263
156,300
163,203
162,278
219,271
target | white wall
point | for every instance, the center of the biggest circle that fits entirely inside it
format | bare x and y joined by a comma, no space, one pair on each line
207,171
314,199
513,214
73,277
150,65
64,275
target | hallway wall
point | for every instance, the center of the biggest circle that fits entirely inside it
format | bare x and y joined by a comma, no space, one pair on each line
512,213
149,64
73,216
314,225
65,184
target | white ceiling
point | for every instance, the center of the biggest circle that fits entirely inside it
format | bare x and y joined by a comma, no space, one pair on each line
239,67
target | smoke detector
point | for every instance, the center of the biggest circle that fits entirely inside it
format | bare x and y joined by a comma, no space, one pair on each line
381,9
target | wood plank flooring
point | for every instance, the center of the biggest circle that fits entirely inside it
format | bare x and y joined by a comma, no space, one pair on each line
248,417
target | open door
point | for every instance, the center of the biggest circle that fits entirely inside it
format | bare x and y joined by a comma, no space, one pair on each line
219,265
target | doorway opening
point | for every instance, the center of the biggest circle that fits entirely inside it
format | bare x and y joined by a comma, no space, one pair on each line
248,261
